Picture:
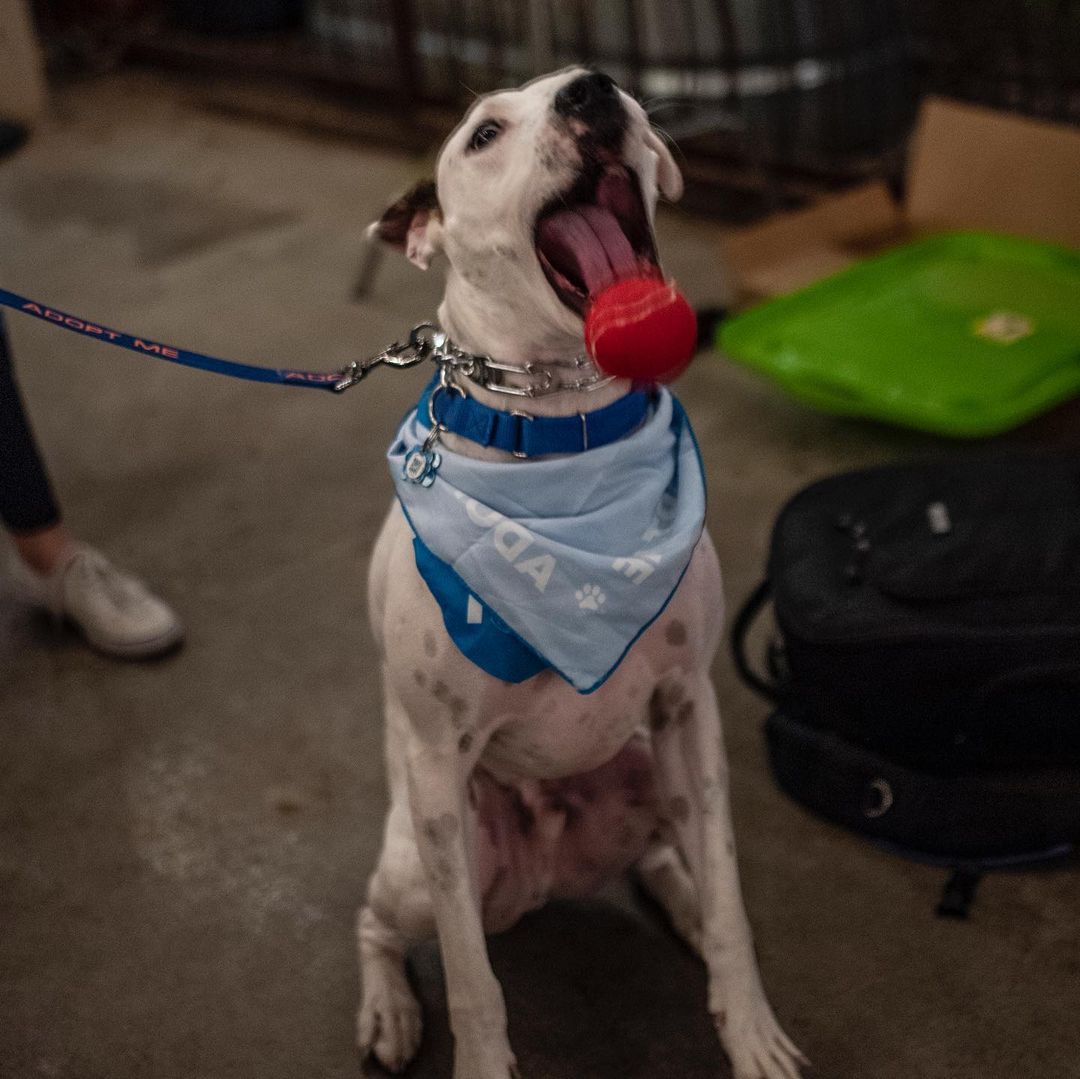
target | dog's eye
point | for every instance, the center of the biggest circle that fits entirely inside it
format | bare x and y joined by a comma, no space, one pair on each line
486,133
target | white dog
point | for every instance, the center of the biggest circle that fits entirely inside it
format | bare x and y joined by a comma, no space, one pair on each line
505,792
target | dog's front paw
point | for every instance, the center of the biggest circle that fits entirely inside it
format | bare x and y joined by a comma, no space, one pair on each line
388,1025
756,1046
490,1061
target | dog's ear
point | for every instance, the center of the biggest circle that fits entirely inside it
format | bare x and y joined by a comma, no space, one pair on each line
668,177
413,224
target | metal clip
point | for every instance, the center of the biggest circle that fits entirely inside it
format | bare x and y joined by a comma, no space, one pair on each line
527,417
496,385
446,385
425,340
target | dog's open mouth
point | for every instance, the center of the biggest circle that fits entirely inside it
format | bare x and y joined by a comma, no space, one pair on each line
594,235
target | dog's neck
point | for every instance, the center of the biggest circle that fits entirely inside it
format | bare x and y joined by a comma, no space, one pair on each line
515,338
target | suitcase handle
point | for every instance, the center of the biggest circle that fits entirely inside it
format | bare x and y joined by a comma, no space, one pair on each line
740,630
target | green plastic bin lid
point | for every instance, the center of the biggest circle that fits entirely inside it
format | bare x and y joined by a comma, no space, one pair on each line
963,334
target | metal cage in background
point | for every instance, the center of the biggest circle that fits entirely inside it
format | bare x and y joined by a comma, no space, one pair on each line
769,100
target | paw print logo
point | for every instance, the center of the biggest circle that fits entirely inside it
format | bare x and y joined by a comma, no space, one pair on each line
589,597
1004,327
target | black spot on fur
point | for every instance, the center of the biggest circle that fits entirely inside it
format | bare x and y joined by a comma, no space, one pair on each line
442,830
441,692
443,875
658,716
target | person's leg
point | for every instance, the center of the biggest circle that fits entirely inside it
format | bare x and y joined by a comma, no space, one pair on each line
115,612
44,549
28,508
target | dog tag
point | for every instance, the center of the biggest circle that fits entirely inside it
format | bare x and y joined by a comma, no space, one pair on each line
420,465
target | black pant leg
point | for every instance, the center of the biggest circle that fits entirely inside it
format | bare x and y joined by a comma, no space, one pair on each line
26,498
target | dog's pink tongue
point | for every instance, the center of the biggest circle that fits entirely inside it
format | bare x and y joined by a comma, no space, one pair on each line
587,244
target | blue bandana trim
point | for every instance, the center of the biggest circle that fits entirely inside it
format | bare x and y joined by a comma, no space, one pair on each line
480,634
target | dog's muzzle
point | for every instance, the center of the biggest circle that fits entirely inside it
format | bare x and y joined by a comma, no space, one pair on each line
597,231
593,101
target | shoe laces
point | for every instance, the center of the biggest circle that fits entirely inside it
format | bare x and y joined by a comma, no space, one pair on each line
99,573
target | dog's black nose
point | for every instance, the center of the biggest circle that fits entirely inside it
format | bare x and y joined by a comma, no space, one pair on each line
593,101
588,97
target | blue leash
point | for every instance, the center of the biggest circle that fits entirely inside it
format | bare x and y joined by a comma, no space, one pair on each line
524,436
318,380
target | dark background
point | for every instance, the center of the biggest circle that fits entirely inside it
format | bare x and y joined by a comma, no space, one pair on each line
771,101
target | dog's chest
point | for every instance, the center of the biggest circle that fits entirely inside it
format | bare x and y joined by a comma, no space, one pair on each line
565,837
552,732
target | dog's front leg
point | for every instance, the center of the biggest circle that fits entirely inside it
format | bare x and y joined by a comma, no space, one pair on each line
693,778
438,778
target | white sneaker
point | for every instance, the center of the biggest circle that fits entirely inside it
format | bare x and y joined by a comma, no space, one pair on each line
116,613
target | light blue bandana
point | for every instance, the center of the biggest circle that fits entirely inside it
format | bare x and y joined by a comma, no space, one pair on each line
560,562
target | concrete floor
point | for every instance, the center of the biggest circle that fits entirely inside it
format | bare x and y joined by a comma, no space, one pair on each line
182,844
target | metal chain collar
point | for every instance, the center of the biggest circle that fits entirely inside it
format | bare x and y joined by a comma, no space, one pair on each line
427,342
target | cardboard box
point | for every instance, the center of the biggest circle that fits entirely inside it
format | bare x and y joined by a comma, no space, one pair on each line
22,77
970,168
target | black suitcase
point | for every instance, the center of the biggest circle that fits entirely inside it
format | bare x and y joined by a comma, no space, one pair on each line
927,670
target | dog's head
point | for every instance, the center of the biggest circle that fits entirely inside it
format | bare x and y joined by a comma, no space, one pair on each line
543,196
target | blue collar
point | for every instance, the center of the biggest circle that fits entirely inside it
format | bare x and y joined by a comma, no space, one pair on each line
533,436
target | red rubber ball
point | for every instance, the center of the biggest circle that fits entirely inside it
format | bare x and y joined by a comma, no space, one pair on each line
641,328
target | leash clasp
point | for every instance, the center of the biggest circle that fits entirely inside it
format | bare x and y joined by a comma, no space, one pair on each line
424,342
